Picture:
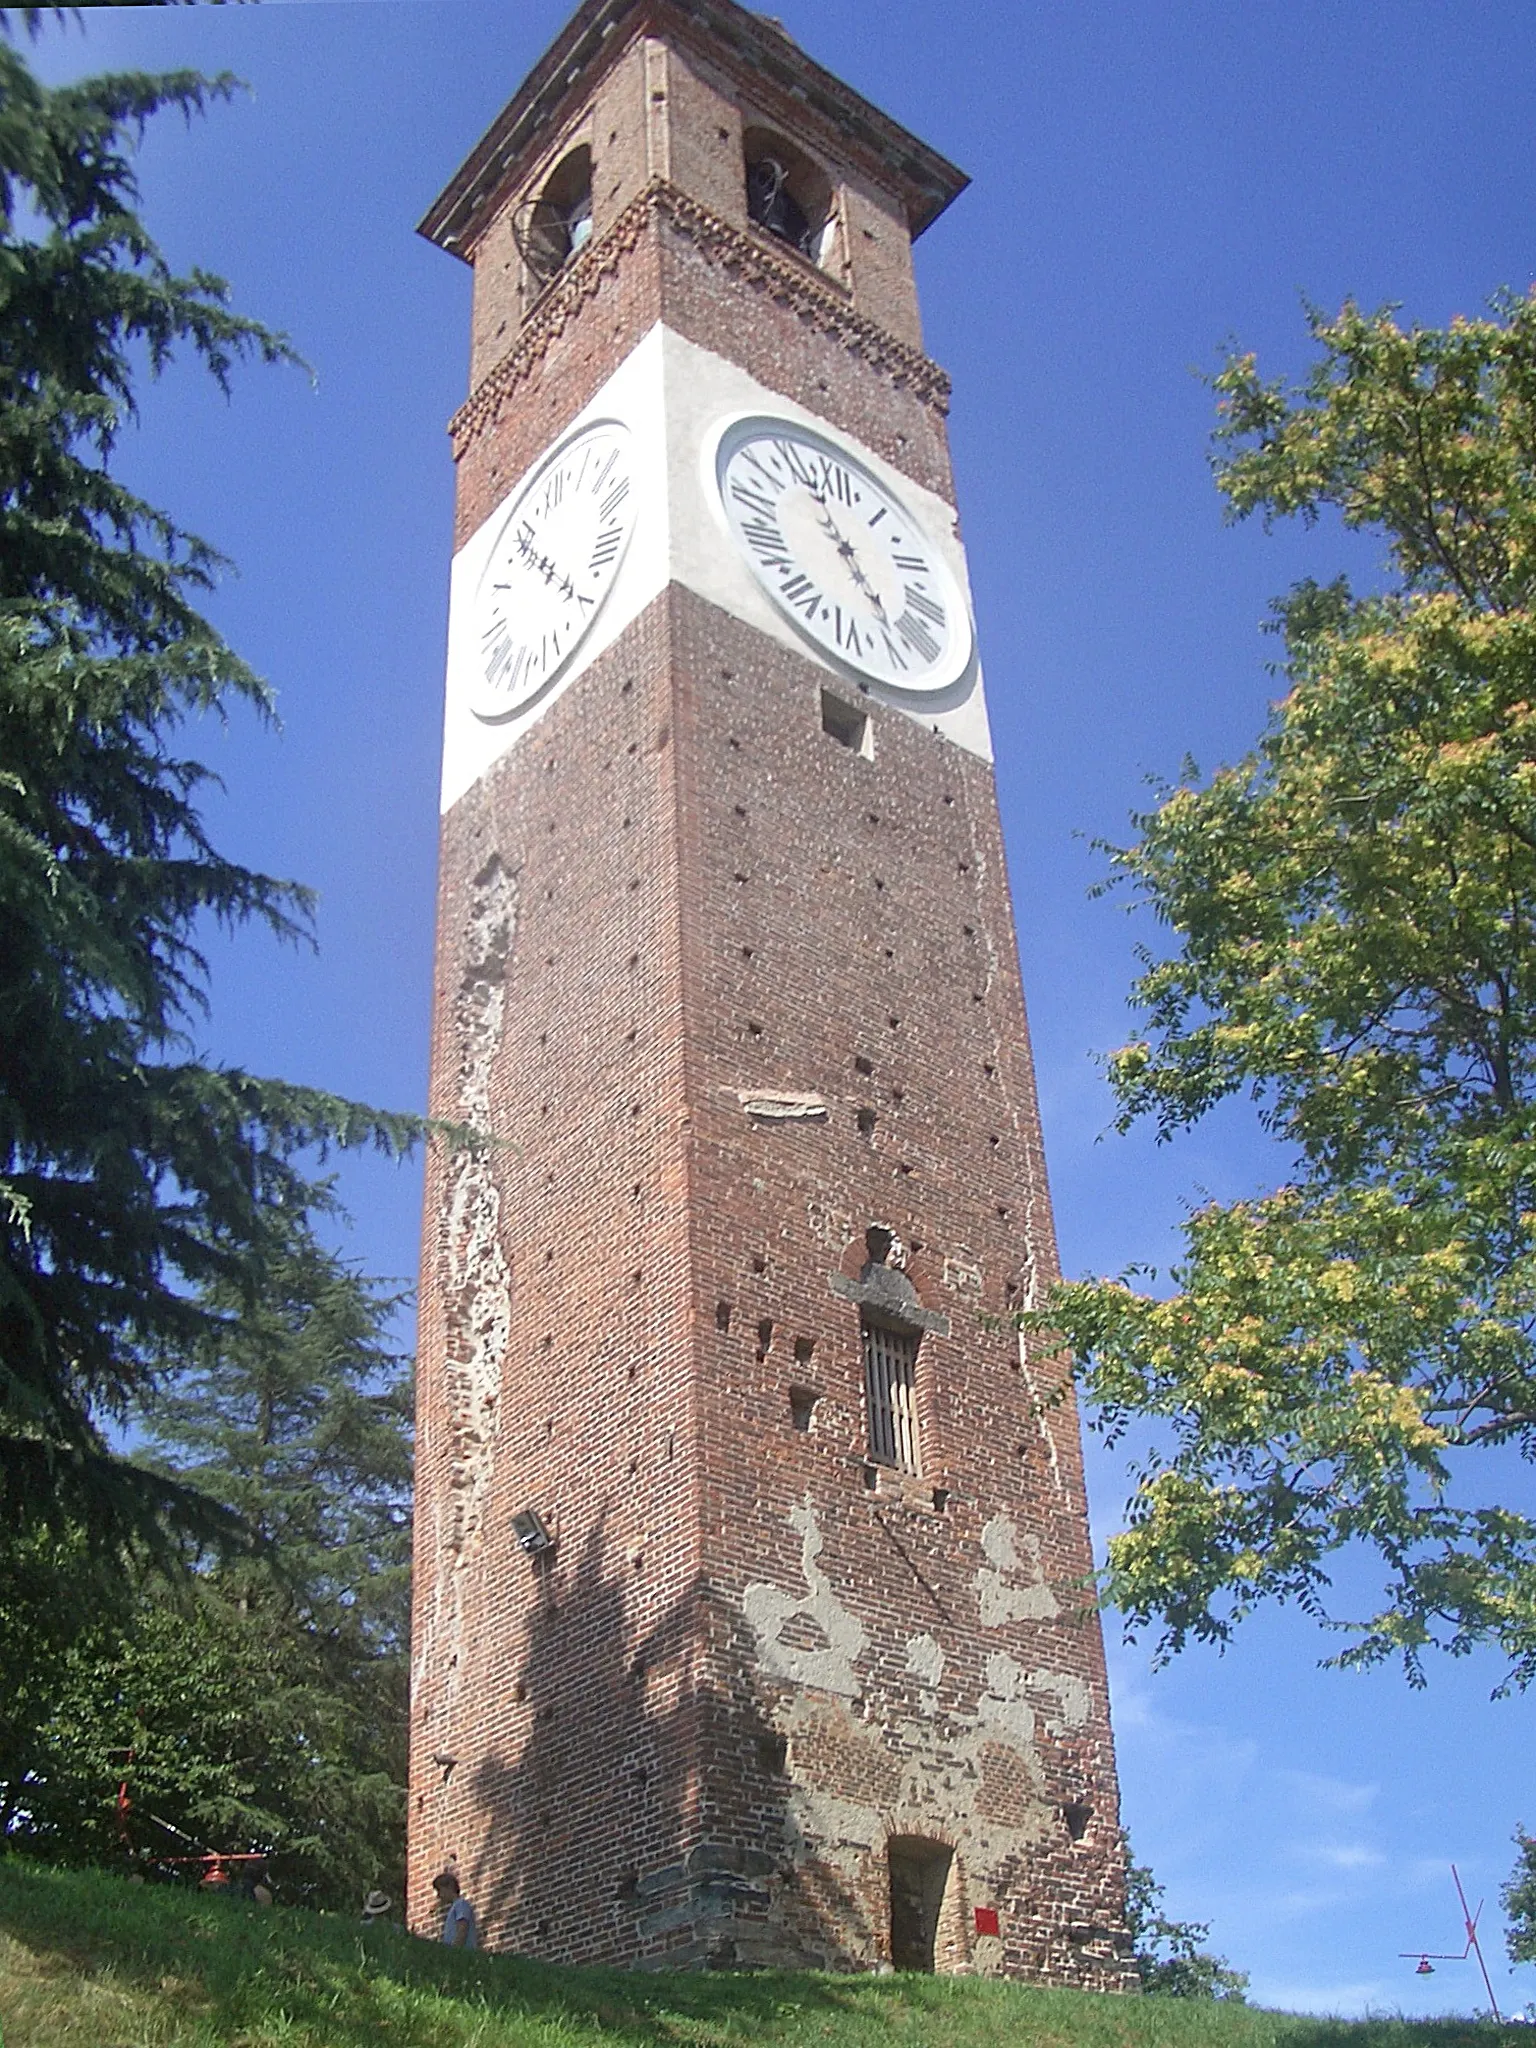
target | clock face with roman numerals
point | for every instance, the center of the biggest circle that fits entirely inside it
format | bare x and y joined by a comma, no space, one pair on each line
552,563
841,557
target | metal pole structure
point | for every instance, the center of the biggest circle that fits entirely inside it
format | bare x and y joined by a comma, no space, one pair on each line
1470,1921
1474,1947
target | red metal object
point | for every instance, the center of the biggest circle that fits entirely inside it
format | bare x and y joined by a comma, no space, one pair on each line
1428,1957
214,1862
986,1920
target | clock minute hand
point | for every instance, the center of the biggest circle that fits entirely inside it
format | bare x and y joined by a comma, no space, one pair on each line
849,554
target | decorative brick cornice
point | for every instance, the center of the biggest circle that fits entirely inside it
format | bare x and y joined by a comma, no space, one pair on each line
815,298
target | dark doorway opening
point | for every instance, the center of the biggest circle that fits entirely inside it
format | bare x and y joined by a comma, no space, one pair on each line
919,1873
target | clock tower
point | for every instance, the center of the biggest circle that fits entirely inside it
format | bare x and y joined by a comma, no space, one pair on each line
753,1620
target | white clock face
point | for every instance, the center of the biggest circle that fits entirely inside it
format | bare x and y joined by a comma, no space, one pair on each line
841,557
555,558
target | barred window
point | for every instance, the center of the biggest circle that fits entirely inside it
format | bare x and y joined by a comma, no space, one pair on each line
890,1371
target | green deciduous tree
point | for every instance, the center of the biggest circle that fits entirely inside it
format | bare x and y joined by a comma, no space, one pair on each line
1350,916
1169,1954
144,1191
1518,1898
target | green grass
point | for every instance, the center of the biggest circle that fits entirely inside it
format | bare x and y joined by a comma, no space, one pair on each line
89,1961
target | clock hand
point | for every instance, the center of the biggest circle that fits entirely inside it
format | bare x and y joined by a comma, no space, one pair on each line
541,565
829,525
849,554
547,567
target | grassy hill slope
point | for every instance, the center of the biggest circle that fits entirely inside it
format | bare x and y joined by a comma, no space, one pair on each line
88,1961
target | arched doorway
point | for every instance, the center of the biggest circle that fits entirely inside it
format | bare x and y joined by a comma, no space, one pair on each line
919,1872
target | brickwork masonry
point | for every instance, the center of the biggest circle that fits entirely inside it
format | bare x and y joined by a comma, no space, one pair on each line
755,1659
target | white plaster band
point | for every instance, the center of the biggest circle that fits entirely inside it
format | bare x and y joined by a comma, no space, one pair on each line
676,399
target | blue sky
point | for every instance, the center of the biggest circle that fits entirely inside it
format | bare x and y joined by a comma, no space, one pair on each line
1149,183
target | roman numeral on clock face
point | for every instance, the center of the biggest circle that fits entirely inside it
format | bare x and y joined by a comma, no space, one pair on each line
504,664
498,655
920,601
770,478
799,591
766,542
836,483
846,632
754,500
893,653
917,637
798,463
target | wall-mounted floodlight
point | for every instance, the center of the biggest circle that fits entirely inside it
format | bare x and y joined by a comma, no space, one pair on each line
530,1531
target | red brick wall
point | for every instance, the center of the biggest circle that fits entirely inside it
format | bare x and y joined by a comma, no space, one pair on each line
528,1677
841,910
692,865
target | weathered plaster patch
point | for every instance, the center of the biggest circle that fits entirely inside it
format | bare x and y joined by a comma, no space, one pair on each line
770,1610
962,1778
1074,1700
1005,1703
969,1774
478,1282
925,1659
1001,1602
961,1276
1003,1706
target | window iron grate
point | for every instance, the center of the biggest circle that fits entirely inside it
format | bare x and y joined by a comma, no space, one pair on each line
890,1372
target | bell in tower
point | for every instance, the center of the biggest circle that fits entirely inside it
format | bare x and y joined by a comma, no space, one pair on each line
750,1613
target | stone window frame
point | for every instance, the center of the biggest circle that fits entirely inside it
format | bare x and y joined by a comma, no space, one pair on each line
886,1299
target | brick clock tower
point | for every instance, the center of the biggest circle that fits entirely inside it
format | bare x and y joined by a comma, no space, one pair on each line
751,1622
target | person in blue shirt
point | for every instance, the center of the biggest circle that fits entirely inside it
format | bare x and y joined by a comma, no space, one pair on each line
459,1930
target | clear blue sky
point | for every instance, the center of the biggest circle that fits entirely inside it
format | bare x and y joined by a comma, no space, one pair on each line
1149,182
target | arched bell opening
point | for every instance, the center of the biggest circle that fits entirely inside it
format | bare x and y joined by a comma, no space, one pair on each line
789,195
553,227
919,1871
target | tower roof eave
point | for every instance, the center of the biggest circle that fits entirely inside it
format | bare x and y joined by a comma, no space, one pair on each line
925,182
